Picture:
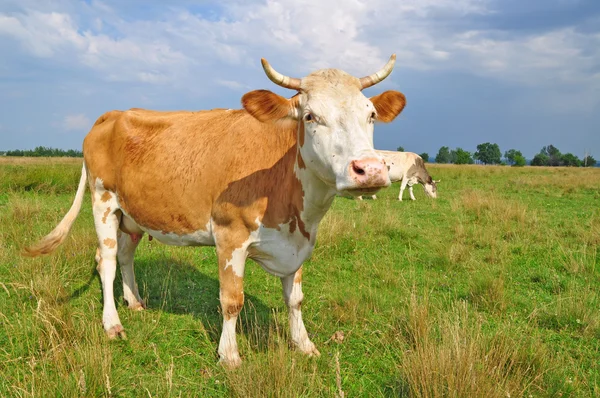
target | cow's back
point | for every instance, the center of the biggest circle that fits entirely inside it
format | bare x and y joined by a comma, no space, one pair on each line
168,168
398,162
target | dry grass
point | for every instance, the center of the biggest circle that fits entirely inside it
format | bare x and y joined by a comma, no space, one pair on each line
278,371
572,311
450,355
21,160
491,208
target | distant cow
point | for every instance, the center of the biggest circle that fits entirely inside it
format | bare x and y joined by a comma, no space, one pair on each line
254,183
409,168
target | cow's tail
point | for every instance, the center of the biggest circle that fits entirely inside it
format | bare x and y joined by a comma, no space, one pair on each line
50,242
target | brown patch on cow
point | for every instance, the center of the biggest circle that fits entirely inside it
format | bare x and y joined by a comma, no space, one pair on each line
199,171
106,213
298,276
418,169
231,285
301,163
110,243
105,196
273,195
301,134
388,104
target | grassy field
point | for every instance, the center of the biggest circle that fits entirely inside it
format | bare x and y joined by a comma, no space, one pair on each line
492,290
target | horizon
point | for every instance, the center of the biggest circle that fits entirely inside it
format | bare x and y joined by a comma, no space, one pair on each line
520,75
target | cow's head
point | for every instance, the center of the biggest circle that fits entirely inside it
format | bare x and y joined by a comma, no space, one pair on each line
431,188
335,124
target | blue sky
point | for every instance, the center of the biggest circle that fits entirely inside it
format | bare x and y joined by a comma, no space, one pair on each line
521,73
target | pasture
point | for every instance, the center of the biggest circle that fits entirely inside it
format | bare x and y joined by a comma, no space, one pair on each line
492,290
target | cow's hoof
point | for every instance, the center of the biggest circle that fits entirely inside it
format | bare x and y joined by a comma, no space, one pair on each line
231,363
116,331
309,349
137,306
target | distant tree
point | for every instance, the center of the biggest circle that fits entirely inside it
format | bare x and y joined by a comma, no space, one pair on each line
488,153
553,154
425,156
519,160
400,149
463,157
443,155
540,159
16,152
568,159
453,156
44,151
511,155
588,161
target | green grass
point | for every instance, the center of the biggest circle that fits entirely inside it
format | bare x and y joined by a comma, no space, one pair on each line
492,290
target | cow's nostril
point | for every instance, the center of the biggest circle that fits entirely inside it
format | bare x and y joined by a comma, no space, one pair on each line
357,169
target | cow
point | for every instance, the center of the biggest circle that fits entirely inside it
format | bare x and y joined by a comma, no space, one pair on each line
253,182
409,168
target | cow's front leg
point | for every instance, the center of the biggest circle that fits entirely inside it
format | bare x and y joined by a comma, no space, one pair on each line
292,294
402,188
231,294
410,191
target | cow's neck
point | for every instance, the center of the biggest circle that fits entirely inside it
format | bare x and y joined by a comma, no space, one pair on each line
317,198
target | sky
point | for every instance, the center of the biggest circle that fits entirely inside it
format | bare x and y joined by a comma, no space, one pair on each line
519,73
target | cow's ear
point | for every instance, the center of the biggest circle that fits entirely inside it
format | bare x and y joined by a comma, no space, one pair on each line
388,104
267,106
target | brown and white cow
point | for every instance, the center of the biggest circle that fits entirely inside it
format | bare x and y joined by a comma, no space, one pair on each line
254,183
409,168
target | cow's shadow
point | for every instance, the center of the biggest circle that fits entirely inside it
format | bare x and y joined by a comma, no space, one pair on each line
180,287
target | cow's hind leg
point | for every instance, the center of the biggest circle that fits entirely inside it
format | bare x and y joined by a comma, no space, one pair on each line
293,296
126,251
231,295
107,224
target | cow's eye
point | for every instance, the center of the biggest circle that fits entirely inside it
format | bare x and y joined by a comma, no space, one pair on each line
373,116
309,117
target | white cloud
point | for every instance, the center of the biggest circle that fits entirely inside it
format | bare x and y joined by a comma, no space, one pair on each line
77,122
56,35
233,85
300,36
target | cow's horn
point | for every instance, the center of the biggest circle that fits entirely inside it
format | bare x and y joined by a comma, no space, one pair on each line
278,78
378,76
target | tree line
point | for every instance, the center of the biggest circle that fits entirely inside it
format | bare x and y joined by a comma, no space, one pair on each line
488,153
42,151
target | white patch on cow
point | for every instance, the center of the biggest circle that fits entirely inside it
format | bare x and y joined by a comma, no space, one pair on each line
429,191
202,237
410,192
228,349
318,197
278,251
238,259
292,293
335,113
107,225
